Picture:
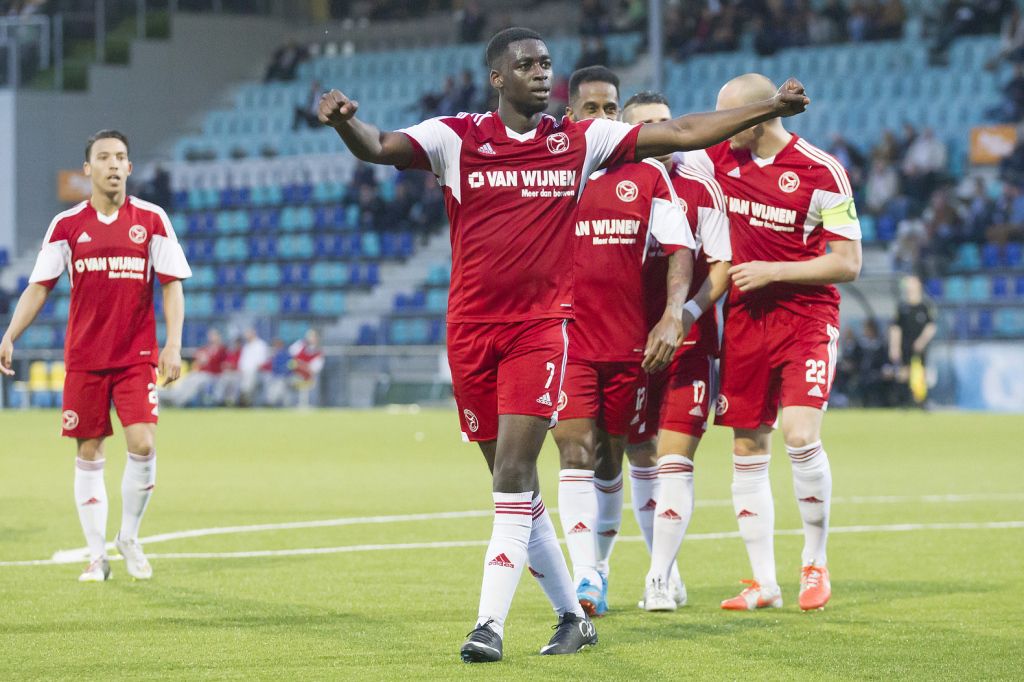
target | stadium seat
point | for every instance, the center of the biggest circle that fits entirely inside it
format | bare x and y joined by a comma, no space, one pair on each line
978,288
956,289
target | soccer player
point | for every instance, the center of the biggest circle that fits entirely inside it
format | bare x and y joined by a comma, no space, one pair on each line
622,210
794,233
111,246
674,404
511,179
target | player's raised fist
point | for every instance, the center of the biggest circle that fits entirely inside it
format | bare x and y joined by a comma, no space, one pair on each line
790,98
336,108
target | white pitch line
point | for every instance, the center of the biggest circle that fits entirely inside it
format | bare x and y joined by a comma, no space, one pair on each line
82,553
348,549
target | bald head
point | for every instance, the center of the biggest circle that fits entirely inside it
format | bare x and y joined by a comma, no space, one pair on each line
744,90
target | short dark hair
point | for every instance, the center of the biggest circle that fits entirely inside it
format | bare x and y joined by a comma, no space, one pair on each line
103,135
591,74
500,41
646,97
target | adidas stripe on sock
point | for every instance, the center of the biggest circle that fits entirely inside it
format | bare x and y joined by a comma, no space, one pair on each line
812,483
673,513
609,519
547,563
755,514
505,557
577,510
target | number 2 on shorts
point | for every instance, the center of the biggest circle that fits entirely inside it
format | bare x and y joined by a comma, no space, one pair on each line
816,371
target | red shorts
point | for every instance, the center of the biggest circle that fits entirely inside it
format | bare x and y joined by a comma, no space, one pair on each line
774,358
603,391
88,395
676,399
510,368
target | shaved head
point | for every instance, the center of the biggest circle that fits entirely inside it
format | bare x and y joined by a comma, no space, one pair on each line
744,90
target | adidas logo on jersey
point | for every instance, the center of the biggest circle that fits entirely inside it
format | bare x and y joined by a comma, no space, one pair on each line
545,400
486,148
84,238
501,560
815,392
696,411
734,173
579,528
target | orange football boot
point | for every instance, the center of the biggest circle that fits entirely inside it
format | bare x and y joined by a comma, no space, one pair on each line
815,588
754,597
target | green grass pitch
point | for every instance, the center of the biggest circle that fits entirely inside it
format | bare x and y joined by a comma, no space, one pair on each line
911,601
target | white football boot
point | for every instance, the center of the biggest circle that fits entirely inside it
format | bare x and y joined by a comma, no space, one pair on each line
135,561
658,597
96,572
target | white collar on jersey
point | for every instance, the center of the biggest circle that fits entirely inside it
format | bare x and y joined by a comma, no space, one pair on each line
762,162
107,219
520,137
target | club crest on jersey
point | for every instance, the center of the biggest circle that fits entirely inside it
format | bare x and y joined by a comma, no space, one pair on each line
558,143
721,405
789,182
137,234
627,191
70,420
682,204
563,401
471,421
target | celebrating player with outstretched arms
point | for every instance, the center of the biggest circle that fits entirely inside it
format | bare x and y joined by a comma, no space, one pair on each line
788,200
111,245
511,180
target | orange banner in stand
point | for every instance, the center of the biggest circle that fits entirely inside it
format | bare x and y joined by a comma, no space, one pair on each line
989,144
73,186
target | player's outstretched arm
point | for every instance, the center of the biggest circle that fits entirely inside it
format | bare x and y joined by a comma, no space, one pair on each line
668,334
700,131
169,364
29,305
365,141
840,264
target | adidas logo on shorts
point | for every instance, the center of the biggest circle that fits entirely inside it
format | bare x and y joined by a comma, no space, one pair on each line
545,400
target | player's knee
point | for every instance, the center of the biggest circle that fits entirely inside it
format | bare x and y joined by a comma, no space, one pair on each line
141,446
801,437
90,450
749,448
576,451
642,454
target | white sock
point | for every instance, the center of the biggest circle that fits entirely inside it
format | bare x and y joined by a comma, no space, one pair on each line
673,513
547,563
577,510
505,558
644,484
812,483
755,514
609,519
136,489
91,500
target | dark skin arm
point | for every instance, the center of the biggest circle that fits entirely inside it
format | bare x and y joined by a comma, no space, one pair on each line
365,141
700,131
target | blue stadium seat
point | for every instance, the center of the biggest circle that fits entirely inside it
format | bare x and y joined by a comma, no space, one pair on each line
1013,255
1001,287
956,289
933,287
978,288
990,256
968,257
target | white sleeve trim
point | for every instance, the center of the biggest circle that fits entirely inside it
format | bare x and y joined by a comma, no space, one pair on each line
667,222
700,160
51,262
822,200
603,139
713,228
167,257
443,148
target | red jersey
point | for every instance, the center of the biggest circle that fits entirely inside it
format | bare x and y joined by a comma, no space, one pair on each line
511,199
110,260
309,359
703,205
210,359
621,209
776,209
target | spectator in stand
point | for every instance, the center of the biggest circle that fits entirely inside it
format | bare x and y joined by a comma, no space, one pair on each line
1011,109
858,22
1011,168
909,337
372,210
888,148
836,13
593,19
891,17
851,157
943,226
285,62
876,373
255,352
471,21
307,363
906,139
449,103
594,53
924,164
228,388
466,99
882,186
207,366
307,113
275,375
1011,41
979,211
1008,216
631,16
